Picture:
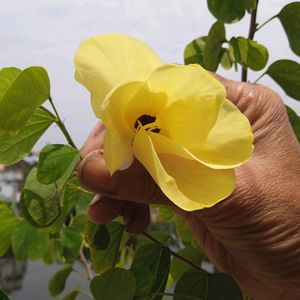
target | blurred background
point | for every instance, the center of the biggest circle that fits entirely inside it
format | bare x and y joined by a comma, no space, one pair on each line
47,33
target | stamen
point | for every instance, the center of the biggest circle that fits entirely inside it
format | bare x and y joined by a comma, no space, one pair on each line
148,122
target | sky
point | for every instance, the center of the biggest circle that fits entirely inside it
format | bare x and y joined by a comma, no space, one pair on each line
47,33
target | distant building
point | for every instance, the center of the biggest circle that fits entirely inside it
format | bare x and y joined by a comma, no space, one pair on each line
12,177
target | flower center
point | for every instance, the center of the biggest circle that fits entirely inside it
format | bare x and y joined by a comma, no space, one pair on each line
145,120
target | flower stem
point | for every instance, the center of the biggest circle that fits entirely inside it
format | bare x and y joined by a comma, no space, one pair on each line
62,126
86,265
84,292
252,30
265,23
173,253
261,76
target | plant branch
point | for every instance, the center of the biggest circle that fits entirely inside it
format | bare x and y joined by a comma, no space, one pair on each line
86,265
173,253
61,125
252,30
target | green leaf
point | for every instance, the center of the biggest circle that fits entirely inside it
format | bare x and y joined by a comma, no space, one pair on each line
79,222
290,20
15,147
7,77
178,267
213,50
184,232
249,53
295,121
71,241
157,260
227,11
56,161
144,280
287,74
57,282
116,284
21,94
40,203
8,221
165,213
250,5
103,260
226,61
162,236
201,285
194,51
27,241
72,295
3,296
97,236
74,193
53,252
72,197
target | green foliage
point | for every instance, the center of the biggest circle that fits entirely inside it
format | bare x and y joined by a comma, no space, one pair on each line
103,260
194,51
71,295
144,280
76,195
201,285
8,221
249,53
28,241
161,236
57,282
14,147
97,236
184,232
295,122
3,296
56,161
290,20
53,252
117,284
178,267
156,260
40,203
213,48
287,74
229,11
21,92
71,241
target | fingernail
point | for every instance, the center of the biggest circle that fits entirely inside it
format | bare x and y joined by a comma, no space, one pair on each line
95,200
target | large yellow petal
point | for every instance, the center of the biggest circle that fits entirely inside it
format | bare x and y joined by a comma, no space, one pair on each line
229,143
181,82
188,121
104,61
187,183
118,136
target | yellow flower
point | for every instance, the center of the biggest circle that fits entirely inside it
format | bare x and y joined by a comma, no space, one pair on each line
174,119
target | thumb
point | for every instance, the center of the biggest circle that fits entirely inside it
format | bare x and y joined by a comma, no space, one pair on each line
134,184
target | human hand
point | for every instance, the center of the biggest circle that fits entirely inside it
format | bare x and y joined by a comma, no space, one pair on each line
253,235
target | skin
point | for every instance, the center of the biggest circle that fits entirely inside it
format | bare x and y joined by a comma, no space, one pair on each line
253,235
